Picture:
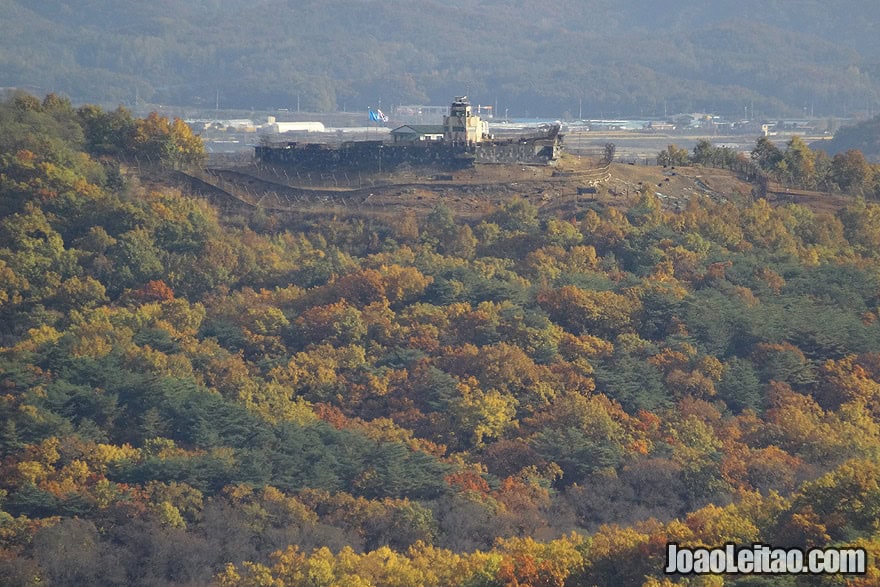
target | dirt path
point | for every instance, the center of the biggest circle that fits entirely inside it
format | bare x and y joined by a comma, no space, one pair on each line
472,193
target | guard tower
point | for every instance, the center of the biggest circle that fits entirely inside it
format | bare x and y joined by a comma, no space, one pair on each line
462,126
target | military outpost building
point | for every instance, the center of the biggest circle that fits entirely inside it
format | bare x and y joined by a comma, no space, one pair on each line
462,140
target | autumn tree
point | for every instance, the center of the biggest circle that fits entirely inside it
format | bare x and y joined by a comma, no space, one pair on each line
850,172
672,156
766,155
170,142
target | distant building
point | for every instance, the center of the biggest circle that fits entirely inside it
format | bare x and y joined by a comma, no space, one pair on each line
275,127
420,114
462,125
238,124
659,126
413,133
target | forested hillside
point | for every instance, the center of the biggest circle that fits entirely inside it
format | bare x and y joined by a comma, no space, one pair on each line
190,397
533,58
864,137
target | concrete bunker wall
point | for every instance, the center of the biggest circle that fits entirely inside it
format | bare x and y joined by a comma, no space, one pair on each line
376,156
366,156
512,153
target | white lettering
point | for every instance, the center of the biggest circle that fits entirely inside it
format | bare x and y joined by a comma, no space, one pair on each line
760,558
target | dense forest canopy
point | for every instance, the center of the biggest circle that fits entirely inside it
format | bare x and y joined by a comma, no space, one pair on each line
533,58
247,398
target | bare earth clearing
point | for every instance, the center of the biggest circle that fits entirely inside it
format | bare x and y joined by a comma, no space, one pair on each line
474,192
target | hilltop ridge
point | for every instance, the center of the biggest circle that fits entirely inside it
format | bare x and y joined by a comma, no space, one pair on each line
531,59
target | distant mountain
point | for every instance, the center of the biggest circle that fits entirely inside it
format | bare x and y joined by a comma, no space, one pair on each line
533,58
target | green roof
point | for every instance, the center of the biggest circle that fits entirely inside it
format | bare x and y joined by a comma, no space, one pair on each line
421,129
